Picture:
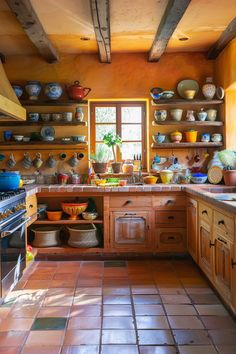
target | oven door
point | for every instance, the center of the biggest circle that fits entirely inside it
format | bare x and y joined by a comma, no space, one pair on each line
13,254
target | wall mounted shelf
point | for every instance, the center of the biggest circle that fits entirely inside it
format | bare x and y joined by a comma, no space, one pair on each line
185,145
182,102
54,142
67,221
185,123
40,123
53,102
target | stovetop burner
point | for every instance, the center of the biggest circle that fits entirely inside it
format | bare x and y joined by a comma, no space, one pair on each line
9,194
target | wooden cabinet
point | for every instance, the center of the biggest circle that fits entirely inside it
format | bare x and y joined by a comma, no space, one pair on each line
192,231
130,230
31,208
170,239
171,201
205,248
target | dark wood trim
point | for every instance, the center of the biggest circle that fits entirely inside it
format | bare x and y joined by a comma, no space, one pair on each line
2,58
100,11
174,12
228,34
29,20
183,102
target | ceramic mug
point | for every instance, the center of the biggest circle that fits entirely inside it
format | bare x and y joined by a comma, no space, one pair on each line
160,115
11,162
37,162
51,161
7,135
205,137
27,161
73,160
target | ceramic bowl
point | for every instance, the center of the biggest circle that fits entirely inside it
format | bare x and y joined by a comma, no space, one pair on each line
89,215
26,139
18,90
54,215
167,94
186,85
211,115
159,138
198,178
74,209
216,137
78,138
202,116
189,94
33,116
45,117
18,137
176,114
166,176
150,179
156,93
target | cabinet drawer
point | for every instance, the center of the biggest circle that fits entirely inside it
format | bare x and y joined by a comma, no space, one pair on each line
171,239
173,218
31,205
130,202
205,212
169,202
223,223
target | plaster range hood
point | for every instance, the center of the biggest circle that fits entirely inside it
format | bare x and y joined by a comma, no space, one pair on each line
10,106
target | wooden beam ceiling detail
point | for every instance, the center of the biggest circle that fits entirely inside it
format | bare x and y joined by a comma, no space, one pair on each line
228,34
174,11
29,20
100,10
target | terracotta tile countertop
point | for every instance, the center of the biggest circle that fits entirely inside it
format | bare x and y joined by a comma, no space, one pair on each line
207,192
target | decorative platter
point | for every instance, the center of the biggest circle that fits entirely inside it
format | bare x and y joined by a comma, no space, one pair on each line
187,85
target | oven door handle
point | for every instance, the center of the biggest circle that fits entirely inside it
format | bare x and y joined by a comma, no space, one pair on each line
9,232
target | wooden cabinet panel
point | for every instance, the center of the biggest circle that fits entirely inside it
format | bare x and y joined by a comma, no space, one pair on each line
192,232
169,202
205,249
225,224
130,230
171,239
31,205
129,202
205,212
171,218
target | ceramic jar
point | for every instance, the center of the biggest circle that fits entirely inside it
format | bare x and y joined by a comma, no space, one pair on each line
18,90
160,115
202,115
7,135
166,176
37,162
11,162
27,161
33,89
190,116
45,117
205,137
159,138
209,89
191,136
73,162
67,116
176,137
216,137
51,161
62,178
53,90
79,115
176,114
211,115
33,116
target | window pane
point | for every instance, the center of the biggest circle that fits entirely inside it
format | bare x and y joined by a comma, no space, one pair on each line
105,114
101,130
131,114
129,149
106,148
131,132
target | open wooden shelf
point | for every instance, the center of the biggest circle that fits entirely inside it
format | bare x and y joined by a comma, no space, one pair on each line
183,102
41,123
53,102
41,142
67,250
67,221
185,123
185,145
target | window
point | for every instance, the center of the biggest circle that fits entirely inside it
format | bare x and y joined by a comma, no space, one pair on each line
124,118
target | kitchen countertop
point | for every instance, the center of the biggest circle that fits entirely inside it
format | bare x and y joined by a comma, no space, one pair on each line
203,191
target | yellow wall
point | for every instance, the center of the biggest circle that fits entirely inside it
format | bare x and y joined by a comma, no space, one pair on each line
225,73
128,76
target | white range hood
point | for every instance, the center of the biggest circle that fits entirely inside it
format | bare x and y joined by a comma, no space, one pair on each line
10,106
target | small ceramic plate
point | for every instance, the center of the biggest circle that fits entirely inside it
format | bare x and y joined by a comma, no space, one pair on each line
215,174
220,93
47,133
187,85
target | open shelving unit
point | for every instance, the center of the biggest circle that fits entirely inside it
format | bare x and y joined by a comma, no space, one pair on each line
185,145
41,123
191,124
183,102
67,222
53,102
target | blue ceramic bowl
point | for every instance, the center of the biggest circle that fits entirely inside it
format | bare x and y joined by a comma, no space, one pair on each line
198,178
159,138
156,93
167,94
18,90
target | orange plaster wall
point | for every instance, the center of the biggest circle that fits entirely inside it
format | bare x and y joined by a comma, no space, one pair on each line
128,76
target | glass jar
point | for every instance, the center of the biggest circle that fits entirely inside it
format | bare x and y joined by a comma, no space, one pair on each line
128,167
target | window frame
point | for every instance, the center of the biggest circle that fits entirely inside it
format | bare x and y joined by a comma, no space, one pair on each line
119,105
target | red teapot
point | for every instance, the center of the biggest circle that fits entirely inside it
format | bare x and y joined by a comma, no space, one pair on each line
77,92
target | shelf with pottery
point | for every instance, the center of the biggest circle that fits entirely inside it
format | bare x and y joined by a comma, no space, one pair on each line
186,123
41,123
186,145
54,142
53,102
185,102
66,250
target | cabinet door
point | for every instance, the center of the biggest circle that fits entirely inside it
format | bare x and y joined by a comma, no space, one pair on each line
205,249
131,230
192,234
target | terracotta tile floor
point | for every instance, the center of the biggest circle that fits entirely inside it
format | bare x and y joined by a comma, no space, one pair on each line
115,307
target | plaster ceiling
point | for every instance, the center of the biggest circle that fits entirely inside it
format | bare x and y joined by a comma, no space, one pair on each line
133,25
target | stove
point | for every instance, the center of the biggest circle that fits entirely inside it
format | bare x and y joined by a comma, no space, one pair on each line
12,238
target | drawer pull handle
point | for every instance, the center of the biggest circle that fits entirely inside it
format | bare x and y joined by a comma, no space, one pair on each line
128,202
204,212
221,240
130,214
171,217
233,263
211,244
169,201
171,238
221,222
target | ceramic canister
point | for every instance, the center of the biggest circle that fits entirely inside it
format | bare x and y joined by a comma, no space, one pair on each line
205,137
216,137
53,90
33,89
209,89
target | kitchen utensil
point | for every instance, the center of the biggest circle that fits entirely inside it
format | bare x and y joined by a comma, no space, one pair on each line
66,139
53,90
202,115
190,116
215,174
62,178
74,209
159,138
73,161
209,89
216,137
189,94
89,215
191,136
167,94
78,138
205,137
46,236
79,115
26,139
56,117
9,181
45,117
187,85
67,116
75,178
229,177
51,161
77,92
220,93
27,161
84,235
37,161
18,90
176,114
176,136
11,161
156,93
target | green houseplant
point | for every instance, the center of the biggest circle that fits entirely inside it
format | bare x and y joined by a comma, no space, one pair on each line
112,140
100,159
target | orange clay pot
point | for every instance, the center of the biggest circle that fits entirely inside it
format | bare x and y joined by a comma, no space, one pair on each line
191,136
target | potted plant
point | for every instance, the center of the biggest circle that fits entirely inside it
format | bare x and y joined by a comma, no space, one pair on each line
100,159
112,140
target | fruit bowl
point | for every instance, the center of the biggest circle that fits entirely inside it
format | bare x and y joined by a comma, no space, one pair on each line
74,209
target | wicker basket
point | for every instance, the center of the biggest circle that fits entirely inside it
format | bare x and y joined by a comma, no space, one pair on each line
47,236
83,236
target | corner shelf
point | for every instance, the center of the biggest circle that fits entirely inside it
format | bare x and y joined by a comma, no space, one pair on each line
183,102
53,102
185,145
40,123
186,123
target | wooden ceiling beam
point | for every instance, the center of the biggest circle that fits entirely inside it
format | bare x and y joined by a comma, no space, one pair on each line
100,11
174,11
228,34
29,20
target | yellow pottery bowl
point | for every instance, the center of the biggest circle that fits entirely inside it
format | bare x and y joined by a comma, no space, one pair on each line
166,176
189,94
150,179
74,209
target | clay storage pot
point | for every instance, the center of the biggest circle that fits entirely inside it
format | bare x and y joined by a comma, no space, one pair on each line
100,167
